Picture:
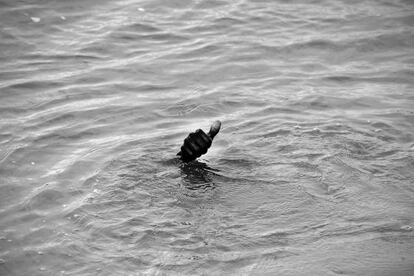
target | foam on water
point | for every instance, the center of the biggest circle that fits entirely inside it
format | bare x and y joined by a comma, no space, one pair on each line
311,173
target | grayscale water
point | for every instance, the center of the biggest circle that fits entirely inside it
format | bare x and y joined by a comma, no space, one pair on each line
311,174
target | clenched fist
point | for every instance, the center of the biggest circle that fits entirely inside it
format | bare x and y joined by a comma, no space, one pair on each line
198,142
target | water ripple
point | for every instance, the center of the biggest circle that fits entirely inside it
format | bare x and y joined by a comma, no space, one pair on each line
311,173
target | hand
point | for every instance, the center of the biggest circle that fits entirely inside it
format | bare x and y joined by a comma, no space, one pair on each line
198,142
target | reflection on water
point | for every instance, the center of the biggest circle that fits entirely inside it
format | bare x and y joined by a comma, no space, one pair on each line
197,175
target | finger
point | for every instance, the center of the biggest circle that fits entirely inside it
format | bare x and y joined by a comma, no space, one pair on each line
203,145
192,145
207,140
186,153
199,141
191,139
214,129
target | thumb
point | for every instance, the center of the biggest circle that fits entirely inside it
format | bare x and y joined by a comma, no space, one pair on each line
214,129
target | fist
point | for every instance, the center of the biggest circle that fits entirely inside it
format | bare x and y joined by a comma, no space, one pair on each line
197,143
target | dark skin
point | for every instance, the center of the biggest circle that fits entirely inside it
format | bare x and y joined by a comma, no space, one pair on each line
197,143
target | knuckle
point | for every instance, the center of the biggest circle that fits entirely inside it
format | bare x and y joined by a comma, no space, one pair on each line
206,137
187,141
194,146
199,141
186,151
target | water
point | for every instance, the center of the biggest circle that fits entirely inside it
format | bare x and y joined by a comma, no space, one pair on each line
311,174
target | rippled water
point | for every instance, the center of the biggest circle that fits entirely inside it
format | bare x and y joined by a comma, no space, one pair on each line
311,174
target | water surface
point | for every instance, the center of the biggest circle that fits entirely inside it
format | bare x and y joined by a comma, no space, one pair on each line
311,174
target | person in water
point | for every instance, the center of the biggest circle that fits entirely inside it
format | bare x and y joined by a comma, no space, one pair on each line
197,143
